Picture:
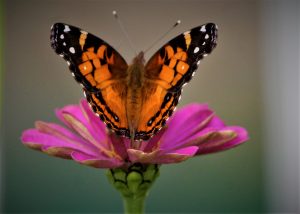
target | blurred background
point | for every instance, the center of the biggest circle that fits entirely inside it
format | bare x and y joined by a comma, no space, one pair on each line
251,79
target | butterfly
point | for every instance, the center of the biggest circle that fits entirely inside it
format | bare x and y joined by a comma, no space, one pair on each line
133,100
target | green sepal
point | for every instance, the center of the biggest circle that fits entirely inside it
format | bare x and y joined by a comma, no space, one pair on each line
133,183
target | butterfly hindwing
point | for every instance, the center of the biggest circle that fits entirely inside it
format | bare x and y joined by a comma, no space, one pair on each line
169,69
98,67
158,106
113,116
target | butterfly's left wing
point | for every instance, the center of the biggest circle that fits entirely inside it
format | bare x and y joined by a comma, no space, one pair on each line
168,70
99,68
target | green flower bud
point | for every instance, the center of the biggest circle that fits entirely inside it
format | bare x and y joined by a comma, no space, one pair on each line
133,183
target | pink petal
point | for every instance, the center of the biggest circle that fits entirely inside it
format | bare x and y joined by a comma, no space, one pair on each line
215,122
61,152
96,162
217,144
84,130
190,151
185,123
58,131
98,126
72,110
177,156
154,142
207,136
42,141
142,157
159,157
187,114
118,144
78,119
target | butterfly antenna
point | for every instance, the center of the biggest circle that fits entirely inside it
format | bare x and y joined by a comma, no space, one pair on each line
124,31
162,36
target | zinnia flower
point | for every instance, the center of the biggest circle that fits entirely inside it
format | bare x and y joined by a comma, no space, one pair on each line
193,130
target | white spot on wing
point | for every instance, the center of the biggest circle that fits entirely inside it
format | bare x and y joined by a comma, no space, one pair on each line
64,44
62,36
187,32
206,36
83,32
196,50
69,63
198,63
205,55
203,43
202,29
67,28
61,55
72,50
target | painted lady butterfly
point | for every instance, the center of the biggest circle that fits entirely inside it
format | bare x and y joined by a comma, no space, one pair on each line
133,100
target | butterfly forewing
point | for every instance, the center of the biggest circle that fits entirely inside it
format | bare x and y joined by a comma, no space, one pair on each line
174,63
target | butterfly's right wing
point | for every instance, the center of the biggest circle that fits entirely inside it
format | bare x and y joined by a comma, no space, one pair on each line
100,69
168,70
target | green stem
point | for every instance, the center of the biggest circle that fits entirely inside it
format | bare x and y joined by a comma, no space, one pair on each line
134,205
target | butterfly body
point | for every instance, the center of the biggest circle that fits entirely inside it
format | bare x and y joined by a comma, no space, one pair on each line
135,84
133,100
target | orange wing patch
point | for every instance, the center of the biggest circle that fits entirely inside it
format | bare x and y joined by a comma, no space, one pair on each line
157,105
171,67
86,68
167,74
92,69
109,105
182,67
101,74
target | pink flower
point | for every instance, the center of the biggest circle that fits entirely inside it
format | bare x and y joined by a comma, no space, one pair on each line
193,130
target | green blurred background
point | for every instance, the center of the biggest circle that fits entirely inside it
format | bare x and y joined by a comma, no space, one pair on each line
251,80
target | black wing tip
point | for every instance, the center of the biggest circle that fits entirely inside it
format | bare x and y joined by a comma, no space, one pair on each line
210,25
59,25
54,37
211,29
56,30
